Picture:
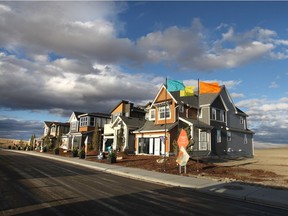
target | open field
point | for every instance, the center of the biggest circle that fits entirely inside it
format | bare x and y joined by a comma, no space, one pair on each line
270,160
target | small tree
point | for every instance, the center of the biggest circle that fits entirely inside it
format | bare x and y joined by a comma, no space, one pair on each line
191,143
96,139
32,141
59,138
120,138
175,147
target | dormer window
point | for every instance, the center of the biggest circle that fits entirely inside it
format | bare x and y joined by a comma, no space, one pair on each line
152,114
164,112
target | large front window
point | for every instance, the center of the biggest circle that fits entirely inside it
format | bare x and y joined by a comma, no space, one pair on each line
153,145
164,112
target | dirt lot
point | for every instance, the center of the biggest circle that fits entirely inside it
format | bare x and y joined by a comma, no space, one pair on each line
268,167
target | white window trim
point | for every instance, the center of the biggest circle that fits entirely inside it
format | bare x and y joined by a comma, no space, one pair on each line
150,111
169,110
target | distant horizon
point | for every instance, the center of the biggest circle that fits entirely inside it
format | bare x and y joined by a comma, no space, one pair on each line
257,145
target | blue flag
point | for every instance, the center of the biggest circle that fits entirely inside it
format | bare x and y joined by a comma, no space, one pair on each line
174,85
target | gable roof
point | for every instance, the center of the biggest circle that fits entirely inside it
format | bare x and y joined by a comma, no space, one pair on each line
160,90
122,101
130,122
240,112
76,114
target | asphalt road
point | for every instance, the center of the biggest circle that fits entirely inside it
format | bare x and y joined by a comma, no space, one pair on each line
32,185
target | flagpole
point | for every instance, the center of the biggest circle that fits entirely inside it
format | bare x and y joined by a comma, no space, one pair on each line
198,113
165,121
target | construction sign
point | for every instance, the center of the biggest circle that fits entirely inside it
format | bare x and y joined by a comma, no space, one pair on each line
182,139
183,157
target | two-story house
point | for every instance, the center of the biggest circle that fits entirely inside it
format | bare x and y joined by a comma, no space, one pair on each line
217,126
119,132
73,138
88,122
167,115
52,131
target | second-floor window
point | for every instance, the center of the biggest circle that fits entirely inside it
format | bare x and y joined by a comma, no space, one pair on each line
218,115
73,126
92,121
164,112
83,121
152,114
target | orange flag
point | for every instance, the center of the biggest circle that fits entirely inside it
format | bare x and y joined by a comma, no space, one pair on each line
209,88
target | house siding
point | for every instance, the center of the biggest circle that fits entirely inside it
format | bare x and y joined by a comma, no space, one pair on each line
205,115
237,146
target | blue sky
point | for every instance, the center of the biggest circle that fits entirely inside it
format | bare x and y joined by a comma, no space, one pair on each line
60,57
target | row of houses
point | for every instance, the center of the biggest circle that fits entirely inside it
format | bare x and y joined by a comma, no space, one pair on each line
216,126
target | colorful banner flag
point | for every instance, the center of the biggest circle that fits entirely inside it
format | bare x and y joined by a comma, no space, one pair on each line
209,88
188,91
174,85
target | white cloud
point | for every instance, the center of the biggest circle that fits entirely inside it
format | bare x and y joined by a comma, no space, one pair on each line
273,85
4,8
268,118
237,95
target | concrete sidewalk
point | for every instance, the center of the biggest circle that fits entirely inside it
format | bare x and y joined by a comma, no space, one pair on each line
241,191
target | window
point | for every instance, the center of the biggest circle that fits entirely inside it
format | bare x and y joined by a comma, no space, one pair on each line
213,114
83,121
152,114
164,111
222,116
229,136
92,122
73,126
218,115
245,139
203,141
241,120
218,136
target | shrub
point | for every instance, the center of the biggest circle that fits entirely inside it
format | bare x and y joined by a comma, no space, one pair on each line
56,151
81,153
75,152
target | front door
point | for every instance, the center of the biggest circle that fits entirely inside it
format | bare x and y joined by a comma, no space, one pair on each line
157,146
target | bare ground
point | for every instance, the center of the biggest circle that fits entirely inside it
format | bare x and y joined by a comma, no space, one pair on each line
268,167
